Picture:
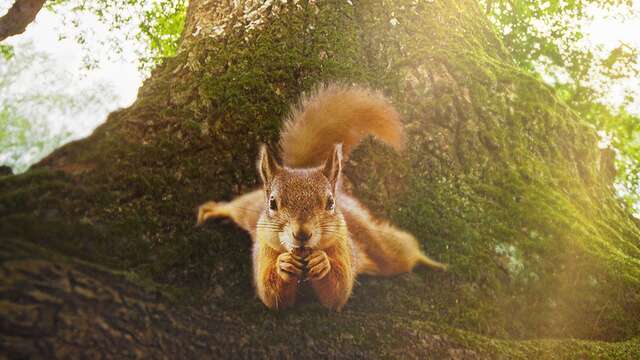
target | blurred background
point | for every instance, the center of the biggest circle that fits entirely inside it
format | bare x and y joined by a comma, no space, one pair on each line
80,60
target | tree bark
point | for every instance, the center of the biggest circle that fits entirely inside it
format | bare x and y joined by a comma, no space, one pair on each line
18,17
499,179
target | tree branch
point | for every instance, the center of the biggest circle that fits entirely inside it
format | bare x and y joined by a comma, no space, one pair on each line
21,14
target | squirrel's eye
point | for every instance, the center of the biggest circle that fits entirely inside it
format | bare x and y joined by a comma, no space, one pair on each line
330,203
272,204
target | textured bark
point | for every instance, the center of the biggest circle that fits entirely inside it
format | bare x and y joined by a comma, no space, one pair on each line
499,179
18,17
53,310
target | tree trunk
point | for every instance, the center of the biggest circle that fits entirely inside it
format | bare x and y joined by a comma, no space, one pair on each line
18,17
499,179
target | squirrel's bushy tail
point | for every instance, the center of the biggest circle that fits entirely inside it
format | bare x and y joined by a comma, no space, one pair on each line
337,114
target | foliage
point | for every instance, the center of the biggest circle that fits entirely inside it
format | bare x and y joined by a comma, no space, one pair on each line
6,51
35,97
548,37
161,28
22,140
155,25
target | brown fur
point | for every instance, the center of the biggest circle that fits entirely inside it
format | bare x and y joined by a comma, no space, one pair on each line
335,114
343,240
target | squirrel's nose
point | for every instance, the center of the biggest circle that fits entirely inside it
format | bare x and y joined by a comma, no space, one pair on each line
302,235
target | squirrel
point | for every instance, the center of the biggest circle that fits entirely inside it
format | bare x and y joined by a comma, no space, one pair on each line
303,226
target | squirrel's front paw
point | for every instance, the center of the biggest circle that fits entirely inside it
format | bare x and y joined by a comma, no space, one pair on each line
288,268
318,265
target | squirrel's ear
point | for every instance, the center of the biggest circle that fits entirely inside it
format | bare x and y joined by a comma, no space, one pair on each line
333,166
267,165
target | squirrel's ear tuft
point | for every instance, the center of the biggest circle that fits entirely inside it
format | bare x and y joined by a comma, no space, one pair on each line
333,166
267,165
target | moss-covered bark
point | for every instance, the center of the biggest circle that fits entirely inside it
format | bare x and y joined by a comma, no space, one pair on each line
499,179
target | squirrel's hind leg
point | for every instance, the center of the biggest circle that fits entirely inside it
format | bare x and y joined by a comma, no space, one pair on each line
407,251
244,210
212,209
424,260
398,251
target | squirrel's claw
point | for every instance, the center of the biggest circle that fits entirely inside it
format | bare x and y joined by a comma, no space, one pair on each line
288,267
318,265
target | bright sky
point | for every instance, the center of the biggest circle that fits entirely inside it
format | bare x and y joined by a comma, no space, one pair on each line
118,72
609,30
121,74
